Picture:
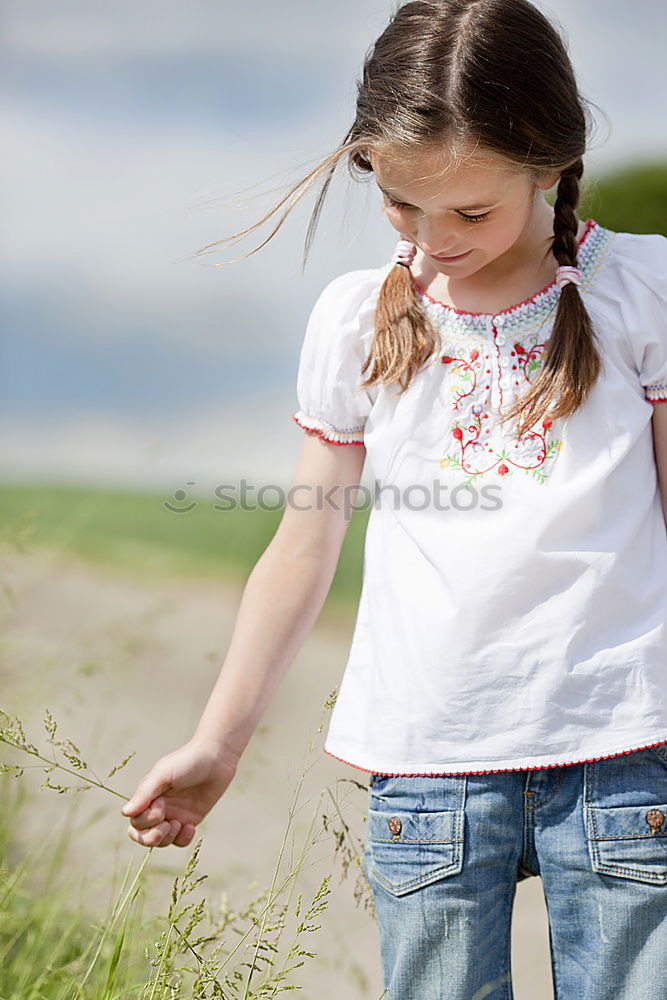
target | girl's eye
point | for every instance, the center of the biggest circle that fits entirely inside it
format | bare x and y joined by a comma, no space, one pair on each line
396,204
475,218
468,218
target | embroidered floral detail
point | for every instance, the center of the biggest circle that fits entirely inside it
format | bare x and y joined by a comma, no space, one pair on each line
530,453
480,446
530,360
467,370
489,360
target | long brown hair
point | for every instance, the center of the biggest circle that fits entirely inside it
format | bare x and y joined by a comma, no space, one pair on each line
464,74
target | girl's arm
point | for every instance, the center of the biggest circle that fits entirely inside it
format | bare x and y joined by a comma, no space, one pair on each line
659,422
284,592
281,600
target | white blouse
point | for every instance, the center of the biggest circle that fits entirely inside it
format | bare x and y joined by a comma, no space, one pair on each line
513,612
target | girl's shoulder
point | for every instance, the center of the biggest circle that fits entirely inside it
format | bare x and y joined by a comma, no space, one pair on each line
344,310
640,249
629,296
350,289
332,402
634,272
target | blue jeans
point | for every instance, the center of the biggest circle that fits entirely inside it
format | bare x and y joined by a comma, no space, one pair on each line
443,855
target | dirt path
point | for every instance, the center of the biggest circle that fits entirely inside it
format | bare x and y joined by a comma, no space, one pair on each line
125,664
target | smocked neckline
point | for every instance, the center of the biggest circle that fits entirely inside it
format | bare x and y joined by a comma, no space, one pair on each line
591,226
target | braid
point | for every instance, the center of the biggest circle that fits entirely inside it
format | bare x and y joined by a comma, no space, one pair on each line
402,331
566,224
571,362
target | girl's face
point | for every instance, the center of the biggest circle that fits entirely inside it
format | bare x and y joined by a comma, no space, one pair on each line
482,208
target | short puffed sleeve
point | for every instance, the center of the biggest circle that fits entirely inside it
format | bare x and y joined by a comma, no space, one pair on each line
642,260
337,341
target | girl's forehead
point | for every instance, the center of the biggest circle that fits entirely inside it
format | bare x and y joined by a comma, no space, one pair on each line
430,168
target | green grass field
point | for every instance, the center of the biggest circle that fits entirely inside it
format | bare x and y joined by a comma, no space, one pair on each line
51,946
136,532
48,944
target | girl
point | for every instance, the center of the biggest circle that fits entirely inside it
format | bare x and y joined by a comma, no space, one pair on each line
506,686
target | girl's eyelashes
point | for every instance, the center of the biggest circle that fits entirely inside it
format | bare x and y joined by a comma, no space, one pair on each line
396,204
475,218
468,218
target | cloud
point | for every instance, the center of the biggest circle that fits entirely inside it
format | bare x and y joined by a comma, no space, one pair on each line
131,131
124,27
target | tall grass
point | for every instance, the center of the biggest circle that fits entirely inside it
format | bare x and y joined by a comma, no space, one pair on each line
196,950
50,950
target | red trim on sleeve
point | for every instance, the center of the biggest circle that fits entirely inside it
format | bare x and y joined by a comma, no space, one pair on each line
313,430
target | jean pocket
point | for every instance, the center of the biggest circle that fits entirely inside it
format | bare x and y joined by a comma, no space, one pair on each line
409,846
626,816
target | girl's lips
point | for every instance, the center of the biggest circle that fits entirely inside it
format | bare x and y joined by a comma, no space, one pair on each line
447,260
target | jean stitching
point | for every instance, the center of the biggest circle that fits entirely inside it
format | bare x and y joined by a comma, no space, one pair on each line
636,836
419,880
590,784
637,873
509,991
527,819
544,802
459,818
552,955
391,840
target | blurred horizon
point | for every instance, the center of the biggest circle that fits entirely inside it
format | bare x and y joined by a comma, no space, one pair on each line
134,137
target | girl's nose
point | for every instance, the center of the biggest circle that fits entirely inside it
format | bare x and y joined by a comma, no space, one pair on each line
435,242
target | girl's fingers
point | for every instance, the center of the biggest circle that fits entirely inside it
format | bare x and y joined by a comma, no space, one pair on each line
158,836
149,838
174,830
150,817
148,789
185,836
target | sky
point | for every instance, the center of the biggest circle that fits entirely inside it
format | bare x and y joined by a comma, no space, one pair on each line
135,134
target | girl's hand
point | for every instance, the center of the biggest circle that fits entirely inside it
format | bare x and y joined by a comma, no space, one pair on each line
176,794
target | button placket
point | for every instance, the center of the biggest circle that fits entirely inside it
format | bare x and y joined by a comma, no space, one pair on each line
500,339
494,376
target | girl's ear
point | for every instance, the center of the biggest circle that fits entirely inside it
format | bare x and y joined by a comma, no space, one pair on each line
546,180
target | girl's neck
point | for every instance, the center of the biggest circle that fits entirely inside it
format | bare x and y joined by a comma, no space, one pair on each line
482,292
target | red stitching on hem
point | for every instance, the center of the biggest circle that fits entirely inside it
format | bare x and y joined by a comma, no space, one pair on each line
314,430
497,770
590,223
